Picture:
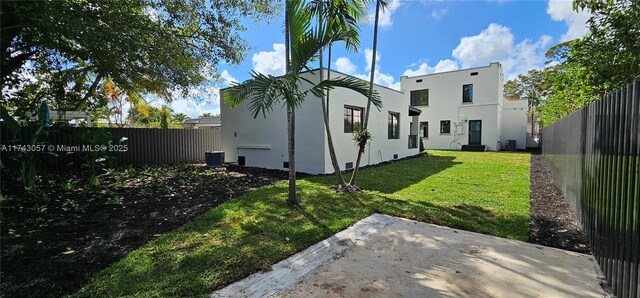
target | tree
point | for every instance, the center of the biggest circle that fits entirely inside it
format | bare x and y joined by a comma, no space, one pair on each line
362,136
205,115
143,45
180,117
165,116
341,16
265,91
611,49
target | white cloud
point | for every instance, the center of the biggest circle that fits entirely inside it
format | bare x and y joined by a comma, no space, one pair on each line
562,11
386,15
497,43
368,53
526,55
424,68
227,78
446,65
344,65
438,14
270,62
493,43
379,77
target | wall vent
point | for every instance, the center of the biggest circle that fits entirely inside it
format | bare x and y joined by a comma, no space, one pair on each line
419,81
241,161
285,164
348,166
395,156
475,73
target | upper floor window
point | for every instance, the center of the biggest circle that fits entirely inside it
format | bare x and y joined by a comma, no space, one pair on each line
394,125
420,97
445,126
467,93
352,118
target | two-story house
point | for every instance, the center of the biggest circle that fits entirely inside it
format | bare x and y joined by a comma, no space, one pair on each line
466,109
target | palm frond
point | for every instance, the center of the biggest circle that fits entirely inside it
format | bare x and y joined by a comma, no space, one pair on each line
350,83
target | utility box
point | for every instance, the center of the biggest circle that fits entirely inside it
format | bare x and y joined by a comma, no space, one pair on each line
511,145
214,158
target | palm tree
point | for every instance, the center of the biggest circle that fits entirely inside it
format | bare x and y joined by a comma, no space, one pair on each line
341,16
205,115
180,117
266,91
363,135
165,116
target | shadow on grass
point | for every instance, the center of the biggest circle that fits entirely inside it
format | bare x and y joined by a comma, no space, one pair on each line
392,177
251,233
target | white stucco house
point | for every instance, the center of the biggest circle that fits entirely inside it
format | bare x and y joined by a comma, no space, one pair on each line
462,109
466,108
262,142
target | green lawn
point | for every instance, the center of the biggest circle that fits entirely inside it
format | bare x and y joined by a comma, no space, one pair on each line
485,192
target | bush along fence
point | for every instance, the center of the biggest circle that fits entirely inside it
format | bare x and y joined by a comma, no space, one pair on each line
593,154
69,147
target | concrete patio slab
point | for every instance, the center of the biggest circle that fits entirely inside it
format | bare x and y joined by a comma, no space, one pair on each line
384,256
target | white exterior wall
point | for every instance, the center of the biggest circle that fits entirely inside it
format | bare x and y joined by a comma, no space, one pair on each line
380,148
514,122
263,141
445,103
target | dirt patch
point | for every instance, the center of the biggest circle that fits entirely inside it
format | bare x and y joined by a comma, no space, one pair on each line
552,222
55,240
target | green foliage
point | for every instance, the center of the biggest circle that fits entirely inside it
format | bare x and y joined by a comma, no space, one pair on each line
150,46
361,137
180,117
584,70
165,116
568,93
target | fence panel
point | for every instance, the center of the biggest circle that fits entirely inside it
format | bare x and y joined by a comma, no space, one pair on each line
593,155
144,145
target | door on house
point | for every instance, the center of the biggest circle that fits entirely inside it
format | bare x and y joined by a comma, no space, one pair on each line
475,132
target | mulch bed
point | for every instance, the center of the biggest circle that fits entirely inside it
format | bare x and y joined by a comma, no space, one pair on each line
552,222
55,241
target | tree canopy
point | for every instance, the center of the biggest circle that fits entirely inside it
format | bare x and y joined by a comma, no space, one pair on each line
152,46
583,70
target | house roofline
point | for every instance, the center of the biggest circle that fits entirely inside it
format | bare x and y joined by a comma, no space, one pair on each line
341,73
450,71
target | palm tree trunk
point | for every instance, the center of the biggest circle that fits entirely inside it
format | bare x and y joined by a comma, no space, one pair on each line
365,123
291,116
325,114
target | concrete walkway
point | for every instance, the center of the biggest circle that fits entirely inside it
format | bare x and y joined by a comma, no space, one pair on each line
384,256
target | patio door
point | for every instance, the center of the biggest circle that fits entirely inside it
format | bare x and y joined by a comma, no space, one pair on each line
475,132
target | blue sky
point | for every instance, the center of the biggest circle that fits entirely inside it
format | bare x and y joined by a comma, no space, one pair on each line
418,37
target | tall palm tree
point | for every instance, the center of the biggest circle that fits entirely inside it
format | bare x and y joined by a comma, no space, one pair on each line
265,91
339,16
363,135
180,117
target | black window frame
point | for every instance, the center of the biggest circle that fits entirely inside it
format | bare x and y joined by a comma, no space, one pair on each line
393,134
349,127
466,96
417,98
443,126
425,131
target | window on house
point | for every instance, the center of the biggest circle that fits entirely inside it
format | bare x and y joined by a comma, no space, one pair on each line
420,97
445,126
394,125
352,118
467,93
424,129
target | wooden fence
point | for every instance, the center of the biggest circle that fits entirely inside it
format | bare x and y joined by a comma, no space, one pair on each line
593,154
124,146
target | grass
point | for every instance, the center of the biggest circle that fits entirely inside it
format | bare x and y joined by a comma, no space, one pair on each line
484,192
